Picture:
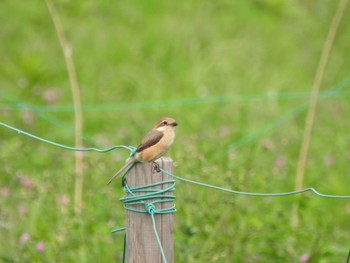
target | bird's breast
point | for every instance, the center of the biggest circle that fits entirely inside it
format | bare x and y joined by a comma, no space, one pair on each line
158,150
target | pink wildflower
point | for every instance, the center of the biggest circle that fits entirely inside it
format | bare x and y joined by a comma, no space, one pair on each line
40,247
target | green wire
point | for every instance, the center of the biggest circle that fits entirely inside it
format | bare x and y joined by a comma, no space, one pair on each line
44,115
257,194
157,236
275,123
290,114
175,102
130,148
139,195
161,195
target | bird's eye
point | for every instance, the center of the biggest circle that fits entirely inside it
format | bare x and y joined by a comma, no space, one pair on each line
165,122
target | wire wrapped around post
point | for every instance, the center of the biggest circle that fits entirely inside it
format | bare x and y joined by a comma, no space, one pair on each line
150,206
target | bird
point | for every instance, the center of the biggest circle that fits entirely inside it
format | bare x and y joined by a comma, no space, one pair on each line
154,145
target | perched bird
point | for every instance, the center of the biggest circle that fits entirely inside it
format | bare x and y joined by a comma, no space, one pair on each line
156,143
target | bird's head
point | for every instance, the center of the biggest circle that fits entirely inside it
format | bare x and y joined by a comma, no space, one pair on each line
165,123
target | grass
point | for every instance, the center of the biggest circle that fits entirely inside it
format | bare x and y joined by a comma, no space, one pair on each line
131,53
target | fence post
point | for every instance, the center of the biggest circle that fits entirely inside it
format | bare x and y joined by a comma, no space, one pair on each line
141,242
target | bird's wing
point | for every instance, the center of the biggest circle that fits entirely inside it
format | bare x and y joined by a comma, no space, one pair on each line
151,139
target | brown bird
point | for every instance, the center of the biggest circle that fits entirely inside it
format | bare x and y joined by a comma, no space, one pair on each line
156,143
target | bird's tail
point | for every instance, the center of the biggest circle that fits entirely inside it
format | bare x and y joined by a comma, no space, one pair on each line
129,162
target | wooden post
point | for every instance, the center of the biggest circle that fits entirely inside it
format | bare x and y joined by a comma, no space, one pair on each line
141,242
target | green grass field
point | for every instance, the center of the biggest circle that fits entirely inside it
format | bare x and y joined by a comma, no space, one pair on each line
234,74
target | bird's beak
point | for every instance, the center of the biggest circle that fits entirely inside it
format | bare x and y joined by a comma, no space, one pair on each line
174,124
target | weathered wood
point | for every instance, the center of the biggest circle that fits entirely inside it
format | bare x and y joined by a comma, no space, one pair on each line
141,242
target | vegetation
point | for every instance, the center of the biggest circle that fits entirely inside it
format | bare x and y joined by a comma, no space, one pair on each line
227,71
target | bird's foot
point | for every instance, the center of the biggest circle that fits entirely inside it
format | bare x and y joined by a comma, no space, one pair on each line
156,167
124,182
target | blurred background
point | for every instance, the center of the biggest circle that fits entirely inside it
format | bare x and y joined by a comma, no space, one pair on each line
237,77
